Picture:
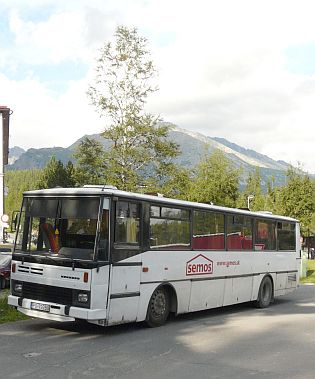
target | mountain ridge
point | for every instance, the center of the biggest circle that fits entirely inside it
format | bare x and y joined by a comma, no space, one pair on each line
193,146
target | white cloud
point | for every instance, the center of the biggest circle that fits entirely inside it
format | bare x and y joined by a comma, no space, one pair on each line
39,120
59,38
222,69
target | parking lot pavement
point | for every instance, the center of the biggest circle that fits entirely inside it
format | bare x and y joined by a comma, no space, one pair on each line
236,342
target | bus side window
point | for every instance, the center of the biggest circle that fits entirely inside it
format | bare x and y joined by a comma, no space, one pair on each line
169,228
239,232
286,236
127,223
103,240
208,231
265,234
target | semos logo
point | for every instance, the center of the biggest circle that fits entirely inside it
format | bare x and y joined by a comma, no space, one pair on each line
199,265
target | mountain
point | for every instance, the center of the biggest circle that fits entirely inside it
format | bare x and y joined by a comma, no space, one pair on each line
38,158
15,153
193,146
191,143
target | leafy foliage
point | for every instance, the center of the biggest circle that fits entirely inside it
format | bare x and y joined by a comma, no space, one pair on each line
175,183
297,199
17,182
90,165
123,78
139,145
216,180
55,174
253,188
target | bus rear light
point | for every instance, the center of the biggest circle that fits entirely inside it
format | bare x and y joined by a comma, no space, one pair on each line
85,277
13,268
145,269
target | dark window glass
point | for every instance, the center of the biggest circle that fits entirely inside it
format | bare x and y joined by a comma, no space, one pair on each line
80,208
60,227
41,207
155,211
208,231
265,238
180,214
127,223
63,208
239,232
286,236
171,231
103,241
169,234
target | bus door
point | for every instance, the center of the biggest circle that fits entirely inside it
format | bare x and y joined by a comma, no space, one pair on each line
125,262
101,275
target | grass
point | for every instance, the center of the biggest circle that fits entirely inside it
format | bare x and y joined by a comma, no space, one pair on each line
7,312
308,270
6,247
308,279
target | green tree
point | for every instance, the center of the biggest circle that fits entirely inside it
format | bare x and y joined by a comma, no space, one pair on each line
17,182
139,144
90,163
175,183
55,174
297,198
70,173
271,196
216,180
253,188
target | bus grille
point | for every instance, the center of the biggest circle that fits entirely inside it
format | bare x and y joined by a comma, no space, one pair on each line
50,294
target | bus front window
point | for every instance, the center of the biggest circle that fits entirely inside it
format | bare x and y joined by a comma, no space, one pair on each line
59,227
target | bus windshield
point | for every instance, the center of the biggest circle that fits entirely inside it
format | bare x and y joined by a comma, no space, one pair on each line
60,227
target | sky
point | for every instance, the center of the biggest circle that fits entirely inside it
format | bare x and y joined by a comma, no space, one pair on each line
243,70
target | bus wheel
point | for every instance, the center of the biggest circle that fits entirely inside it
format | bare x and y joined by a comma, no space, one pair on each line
159,308
265,293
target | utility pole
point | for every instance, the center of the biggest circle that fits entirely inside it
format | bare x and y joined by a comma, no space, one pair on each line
5,113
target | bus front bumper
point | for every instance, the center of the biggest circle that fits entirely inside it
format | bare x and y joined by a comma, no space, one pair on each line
56,312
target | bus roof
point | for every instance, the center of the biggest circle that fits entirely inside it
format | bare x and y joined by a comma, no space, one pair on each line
95,190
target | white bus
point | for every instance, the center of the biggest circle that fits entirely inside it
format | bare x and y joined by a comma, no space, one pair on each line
110,257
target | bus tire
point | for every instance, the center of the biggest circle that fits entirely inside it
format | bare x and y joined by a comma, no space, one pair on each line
265,294
158,308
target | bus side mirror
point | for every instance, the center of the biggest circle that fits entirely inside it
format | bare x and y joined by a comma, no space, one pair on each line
15,217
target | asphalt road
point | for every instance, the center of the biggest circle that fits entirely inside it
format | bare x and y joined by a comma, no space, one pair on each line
233,342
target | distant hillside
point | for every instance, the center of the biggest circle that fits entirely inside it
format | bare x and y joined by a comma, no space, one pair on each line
256,159
15,153
38,158
193,146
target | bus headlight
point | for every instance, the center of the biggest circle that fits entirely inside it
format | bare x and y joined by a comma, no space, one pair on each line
83,297
17,288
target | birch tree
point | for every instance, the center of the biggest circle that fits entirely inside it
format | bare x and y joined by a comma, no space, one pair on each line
139,143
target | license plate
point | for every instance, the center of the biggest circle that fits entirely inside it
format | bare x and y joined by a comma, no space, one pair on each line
40,307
